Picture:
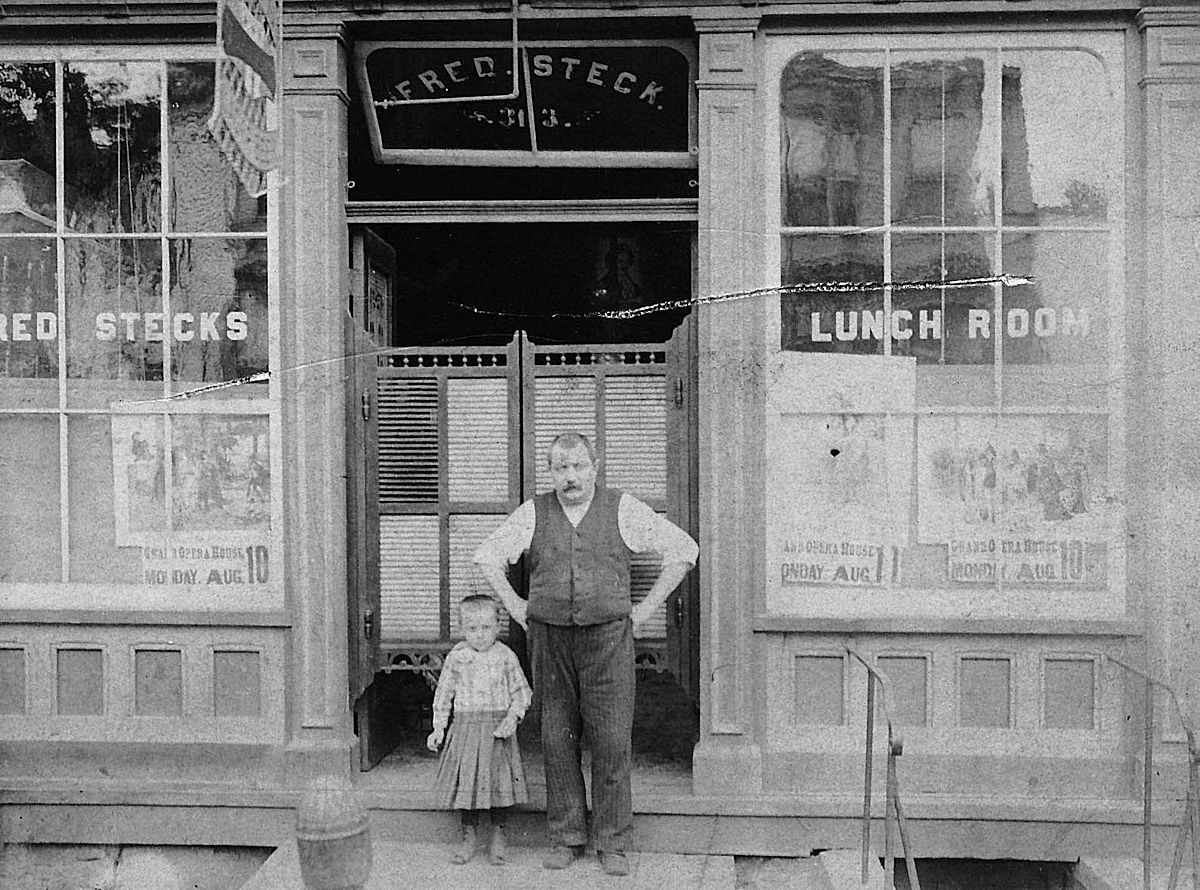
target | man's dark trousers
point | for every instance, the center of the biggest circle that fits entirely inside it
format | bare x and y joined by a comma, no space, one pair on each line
584,676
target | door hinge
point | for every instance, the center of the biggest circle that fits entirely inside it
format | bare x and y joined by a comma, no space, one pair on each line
678,392
366,405
368,624
679,610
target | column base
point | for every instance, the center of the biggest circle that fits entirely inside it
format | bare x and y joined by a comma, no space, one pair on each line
332,755
727,765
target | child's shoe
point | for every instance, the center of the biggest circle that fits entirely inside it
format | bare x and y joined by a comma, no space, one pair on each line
467,849
498,848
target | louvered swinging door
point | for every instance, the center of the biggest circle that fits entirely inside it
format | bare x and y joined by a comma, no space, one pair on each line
449,471
631,400
463,435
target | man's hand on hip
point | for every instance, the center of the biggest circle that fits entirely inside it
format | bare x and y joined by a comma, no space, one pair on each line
517,611
638,615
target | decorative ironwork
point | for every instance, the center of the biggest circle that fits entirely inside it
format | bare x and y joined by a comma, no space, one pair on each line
652,660
426,664
616,357
447,360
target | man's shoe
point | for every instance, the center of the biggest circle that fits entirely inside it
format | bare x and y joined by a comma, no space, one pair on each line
498,848
560,856
614,863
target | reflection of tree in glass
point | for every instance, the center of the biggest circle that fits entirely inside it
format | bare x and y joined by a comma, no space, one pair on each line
112,147
27,114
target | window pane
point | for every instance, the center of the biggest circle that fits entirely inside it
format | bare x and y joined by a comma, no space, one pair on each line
27,193
1056,328
205,195
115,325
29,514
943,143
955,356
219,326
832,140
112,125
1059,134
831,320
117,495
28,307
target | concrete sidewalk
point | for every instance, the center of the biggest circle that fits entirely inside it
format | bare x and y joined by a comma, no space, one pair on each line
396,866
402,865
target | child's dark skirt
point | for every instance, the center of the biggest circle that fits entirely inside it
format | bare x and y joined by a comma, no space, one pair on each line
478,771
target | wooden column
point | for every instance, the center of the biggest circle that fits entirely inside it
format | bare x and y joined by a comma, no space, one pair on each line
730,366
1170,241
313,301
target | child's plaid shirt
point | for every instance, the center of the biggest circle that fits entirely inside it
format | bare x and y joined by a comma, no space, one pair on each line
491,680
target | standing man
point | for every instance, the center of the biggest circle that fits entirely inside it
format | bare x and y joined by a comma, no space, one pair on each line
580,620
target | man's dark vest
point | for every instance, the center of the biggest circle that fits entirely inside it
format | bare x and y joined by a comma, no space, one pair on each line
578,574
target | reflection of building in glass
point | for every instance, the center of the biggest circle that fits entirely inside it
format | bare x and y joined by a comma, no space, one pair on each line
945,138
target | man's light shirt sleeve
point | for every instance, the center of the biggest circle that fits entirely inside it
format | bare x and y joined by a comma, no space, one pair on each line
504,546
644,531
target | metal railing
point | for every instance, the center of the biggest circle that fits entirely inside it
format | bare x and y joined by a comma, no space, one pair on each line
893,810
1190,823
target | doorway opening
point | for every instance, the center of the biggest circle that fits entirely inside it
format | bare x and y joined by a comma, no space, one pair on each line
482,341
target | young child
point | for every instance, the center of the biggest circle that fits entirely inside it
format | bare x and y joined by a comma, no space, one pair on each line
480,768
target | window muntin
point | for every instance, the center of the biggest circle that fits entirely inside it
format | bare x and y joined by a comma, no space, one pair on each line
1016,405
140,293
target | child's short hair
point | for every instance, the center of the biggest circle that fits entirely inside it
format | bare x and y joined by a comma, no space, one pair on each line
477,602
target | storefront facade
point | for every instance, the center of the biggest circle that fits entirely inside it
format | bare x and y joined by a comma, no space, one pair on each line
931,404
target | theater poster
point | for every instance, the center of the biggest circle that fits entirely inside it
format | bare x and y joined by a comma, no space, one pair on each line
1018,500
839,457
200,512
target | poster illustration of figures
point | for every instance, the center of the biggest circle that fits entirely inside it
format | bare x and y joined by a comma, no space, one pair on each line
1022,500
139,475
839,482
218,472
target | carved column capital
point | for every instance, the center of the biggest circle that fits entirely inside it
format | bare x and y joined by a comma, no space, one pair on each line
315,60
1172,41
726,50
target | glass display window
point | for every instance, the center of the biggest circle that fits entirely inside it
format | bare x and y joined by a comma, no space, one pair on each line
947,230
136,330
